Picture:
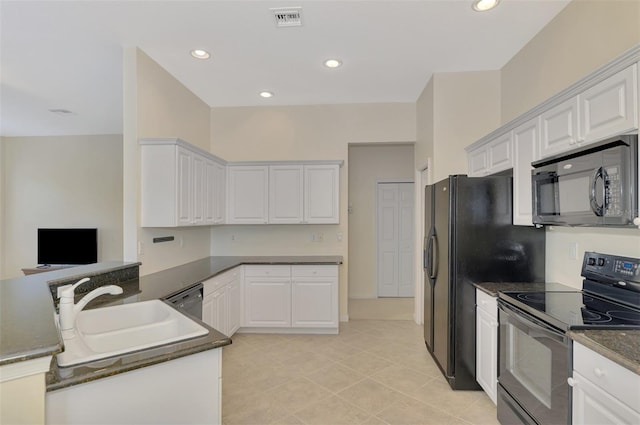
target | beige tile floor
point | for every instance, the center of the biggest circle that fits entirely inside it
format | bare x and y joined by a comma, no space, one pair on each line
373,372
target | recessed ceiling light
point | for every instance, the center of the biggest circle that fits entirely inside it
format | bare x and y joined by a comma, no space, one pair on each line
484,5
266,94
332,63
200,54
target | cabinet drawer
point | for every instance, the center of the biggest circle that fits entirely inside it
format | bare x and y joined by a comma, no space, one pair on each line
213,284
487,303
314,271
267,271
618,381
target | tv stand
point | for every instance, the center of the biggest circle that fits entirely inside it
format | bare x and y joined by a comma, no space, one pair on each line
43,268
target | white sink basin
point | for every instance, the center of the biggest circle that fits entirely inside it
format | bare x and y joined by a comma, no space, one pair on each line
112,331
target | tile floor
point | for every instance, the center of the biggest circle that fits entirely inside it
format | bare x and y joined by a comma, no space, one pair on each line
373,372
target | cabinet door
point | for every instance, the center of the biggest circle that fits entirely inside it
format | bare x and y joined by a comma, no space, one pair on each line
248,194
478,160
219,193
487,352
183,185
525,143
209,192
220,310
593,406
267,302
314,296
285,194
321,194
559,128
233,306
500,154
208,316
609,107
197,187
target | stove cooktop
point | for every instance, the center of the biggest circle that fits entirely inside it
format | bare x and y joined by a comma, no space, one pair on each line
610,298
574,310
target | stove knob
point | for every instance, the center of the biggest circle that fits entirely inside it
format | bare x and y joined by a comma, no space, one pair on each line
600,262
591,261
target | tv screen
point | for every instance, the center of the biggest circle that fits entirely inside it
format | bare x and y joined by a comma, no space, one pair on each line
67,246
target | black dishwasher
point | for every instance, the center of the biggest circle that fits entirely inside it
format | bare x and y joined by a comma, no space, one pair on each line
189,301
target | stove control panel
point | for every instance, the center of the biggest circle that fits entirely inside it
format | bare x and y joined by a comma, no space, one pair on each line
611,267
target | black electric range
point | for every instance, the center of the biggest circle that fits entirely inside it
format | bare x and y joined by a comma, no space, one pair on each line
610,297
534,350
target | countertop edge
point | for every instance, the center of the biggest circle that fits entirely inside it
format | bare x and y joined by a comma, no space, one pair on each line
607,352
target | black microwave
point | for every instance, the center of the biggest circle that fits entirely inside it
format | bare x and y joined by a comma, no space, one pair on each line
596,185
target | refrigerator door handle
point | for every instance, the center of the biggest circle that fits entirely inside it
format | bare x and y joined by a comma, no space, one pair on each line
425,263
433,242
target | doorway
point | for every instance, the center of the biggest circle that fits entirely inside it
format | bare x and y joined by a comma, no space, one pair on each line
368,165
394,242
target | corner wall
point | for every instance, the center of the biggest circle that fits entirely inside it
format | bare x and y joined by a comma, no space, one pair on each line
302,133
158,105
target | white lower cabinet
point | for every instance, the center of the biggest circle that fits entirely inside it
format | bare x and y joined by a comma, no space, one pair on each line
314,296
267,296
221,301
603,391
487,343
291,297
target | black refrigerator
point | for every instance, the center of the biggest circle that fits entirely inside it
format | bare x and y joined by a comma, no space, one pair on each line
469,238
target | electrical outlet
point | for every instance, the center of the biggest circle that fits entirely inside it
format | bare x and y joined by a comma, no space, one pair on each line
321,237
573,251
314,237
339,236
140,247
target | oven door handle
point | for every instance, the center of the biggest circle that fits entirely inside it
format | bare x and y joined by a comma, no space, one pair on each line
526,321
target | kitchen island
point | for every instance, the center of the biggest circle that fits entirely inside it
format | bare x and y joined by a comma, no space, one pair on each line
29,331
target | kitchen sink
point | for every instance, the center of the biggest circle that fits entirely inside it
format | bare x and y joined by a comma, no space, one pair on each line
116,330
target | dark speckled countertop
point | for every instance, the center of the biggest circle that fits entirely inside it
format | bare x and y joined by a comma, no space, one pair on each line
492,288
27,310
622,347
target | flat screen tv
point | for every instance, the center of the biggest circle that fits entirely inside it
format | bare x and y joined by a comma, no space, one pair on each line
67,246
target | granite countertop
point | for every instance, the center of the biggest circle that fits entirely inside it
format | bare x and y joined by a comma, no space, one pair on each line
620,346
27,328
27,312
492,288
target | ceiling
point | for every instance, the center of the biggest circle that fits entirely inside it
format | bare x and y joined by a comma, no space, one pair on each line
68,54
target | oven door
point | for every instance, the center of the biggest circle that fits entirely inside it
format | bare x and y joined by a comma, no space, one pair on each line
533,366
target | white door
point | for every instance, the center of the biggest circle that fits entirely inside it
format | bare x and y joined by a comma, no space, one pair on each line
395,240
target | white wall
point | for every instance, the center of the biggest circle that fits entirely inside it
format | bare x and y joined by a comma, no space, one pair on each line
61,181
302,133
367,165
158,105
583,37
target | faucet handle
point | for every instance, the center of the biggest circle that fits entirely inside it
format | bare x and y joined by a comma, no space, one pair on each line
67,291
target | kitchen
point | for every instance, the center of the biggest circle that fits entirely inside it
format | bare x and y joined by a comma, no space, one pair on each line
320,132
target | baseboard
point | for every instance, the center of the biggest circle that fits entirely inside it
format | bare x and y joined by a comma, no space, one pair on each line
344,318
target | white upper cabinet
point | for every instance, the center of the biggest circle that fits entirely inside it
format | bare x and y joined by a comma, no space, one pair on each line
478,160
526,138
248,194
491,157
321,194
176,182
559,128
610,107
219,193
286,194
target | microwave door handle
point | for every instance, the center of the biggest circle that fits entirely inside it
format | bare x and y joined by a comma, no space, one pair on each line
597,209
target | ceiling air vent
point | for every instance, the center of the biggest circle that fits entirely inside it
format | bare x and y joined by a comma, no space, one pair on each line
287,16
